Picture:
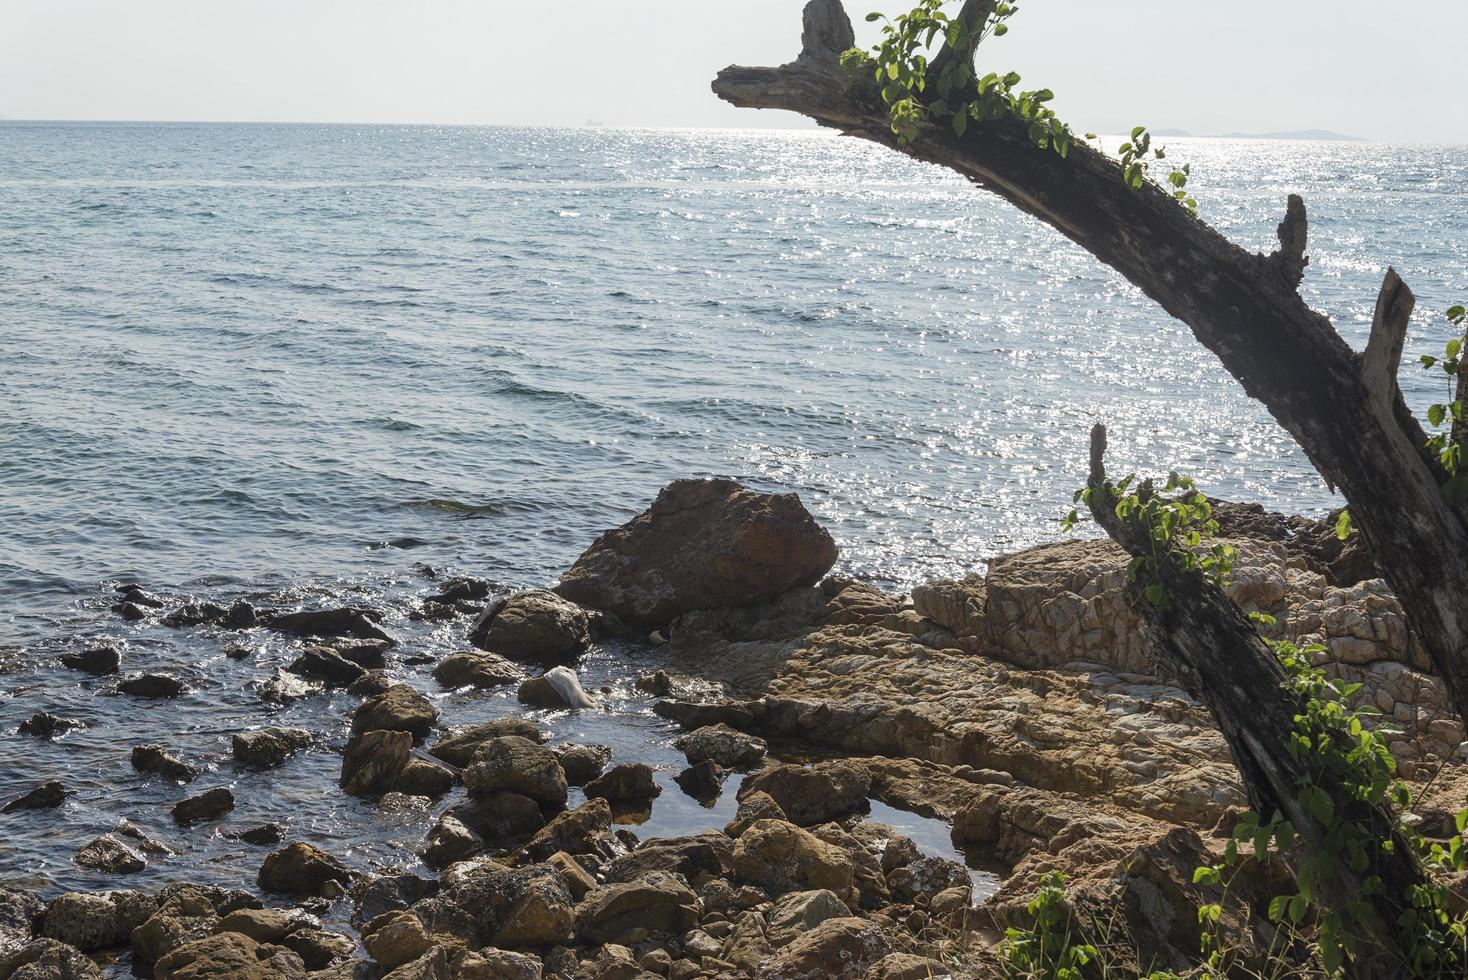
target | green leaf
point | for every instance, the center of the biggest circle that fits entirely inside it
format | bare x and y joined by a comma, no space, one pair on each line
1343,525
1436,414
874,16
1277,907
1297,907
960,123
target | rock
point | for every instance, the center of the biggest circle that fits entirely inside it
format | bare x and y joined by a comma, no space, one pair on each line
110,856
182,917
463,589
194,614
43,724
156,759
727,746
370,684
396,938
813,794
458,746
367,654
755,806
432,965
517,765
799,912
266,833
229,956
907,966
537,692
49,794
476,669
19,912
47,959
628,781
577,878
92,920
450,841
701,855
835,948
926,877
704,544
537,626
300,869
399,708
583,763
496,964
208,805
284,688
781,857
502,819
584,830
269,747
491,905
319,949
703,782
378,894
329,623
152,686
624,913
326,664
96,660
658,684
424,777
372,761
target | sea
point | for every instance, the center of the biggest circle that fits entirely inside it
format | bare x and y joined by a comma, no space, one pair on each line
314,364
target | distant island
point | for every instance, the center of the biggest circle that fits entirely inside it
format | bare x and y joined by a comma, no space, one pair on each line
1294,134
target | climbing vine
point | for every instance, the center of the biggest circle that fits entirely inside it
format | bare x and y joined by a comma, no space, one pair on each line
900,63
1451,413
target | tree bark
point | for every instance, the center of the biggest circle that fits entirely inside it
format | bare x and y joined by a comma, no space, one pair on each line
1345,411
1221,654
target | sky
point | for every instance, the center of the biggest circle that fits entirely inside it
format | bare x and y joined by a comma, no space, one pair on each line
1390,72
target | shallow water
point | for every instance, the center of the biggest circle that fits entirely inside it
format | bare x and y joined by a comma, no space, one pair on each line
251,358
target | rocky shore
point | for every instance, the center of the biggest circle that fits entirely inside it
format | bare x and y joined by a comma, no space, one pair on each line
1026,708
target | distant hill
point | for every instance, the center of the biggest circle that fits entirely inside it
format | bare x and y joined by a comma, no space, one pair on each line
1293,134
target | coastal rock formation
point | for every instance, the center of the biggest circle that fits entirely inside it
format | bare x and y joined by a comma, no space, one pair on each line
538,626
703,544
268,747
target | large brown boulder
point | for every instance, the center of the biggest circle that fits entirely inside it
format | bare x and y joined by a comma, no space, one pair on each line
47,959
401,708
300,869
229,956
517,765
835,948
813,794
704,544
780,857
537,625
620,913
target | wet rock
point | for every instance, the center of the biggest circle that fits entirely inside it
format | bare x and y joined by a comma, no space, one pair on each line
269,747
425,778
19,912
835,948
476,669
584,830
152,686
135,593
318,948
182,917
781,857
327,665
265,833
367,654
284,688
703,782
43,724
458,746
450,841
703,544
130,611
241,616
754,806
156,759
537,626
229,955
356,623
517,765
208,805
400,708
578,879
136,837
630,781
97,660
432,965
109,855
491,905
47,959
583,763
370,684
658,684
502,819
800,912
539,692
49,794
194,613
727,746
926,877
92,920
814,794
372,761
375,895
700,855
396,938
300,869
626,913
463,589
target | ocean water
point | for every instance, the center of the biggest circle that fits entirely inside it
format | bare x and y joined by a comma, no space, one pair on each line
308,363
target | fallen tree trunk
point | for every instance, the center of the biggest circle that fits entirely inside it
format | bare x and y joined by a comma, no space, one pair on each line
1222,658
1344,409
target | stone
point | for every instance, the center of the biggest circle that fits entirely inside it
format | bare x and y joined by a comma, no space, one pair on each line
458,745
47,959
400,708
268,747
19,912
584,830
501,819
693,857
326,664
476,669
577,878
396,938
517,765
799,912
704,782
496,964
156,759
619,913
300,869
926,877
836,948
49,794
907,966
449,841
182,917
628,781
356,623
538,626
813,794
487,904
92,920
318,948
284,688
658,684
583,763
267,925
703,544
726,746
194,613
368,654
423,777
156,686
378,894
97,660
754,806
266,833
432,965
229,956
43,724
372,761
370,684
781,857
209,805
110,856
